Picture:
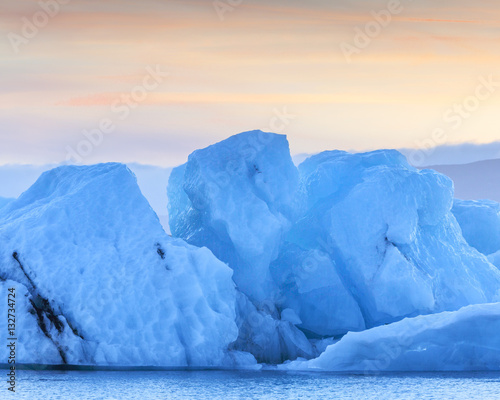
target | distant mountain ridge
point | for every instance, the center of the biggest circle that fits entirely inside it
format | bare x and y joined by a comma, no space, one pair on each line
474,181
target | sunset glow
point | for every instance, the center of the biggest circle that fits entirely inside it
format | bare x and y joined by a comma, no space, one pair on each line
230,69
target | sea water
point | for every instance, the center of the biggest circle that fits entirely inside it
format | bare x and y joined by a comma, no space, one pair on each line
124,385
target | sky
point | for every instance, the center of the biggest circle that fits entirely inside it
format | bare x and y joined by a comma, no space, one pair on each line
150,81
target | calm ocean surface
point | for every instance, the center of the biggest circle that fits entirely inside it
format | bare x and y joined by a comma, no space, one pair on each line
81,385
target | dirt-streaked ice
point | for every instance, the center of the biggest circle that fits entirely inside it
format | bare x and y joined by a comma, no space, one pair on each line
99,281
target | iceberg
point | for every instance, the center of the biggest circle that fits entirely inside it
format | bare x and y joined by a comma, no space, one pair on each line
355,262
495,259
240,198
99,282
4,201
341,243
390,233
237,198
480,223
463,340
312,291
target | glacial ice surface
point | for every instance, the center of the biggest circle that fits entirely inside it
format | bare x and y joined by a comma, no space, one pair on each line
480,223
495,259
389,231
268,338
99,282
463,340
349,241
4,201
311,288
240,198
237,198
